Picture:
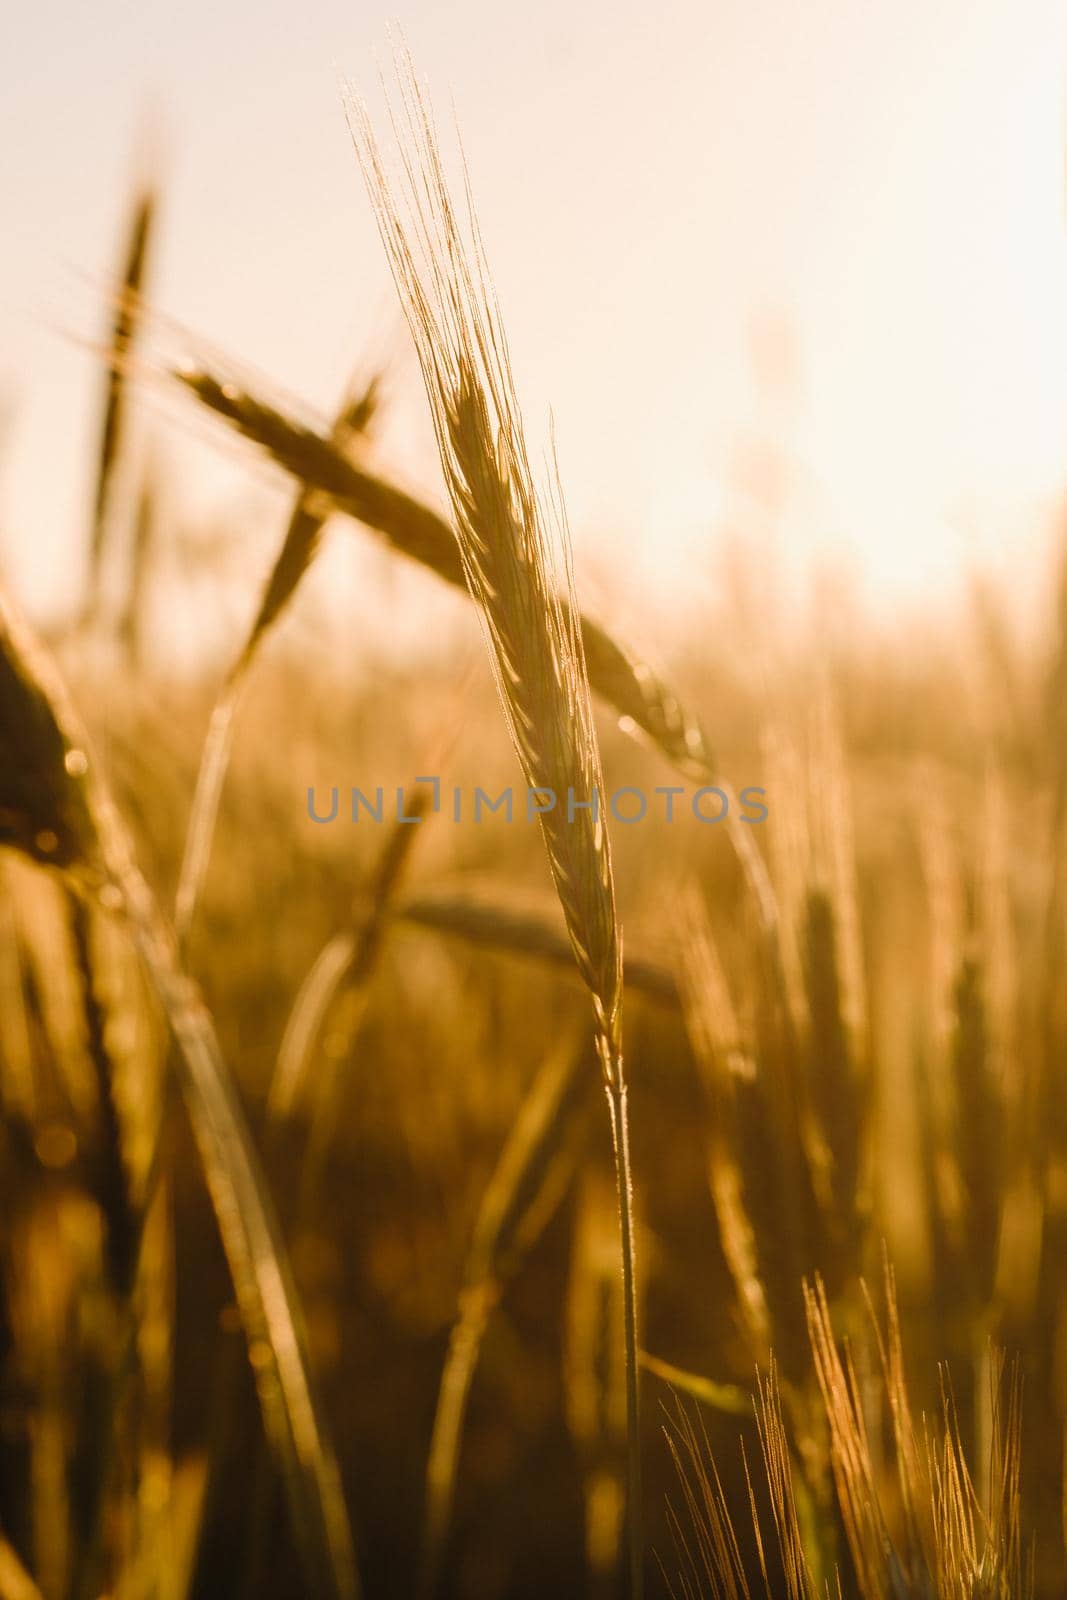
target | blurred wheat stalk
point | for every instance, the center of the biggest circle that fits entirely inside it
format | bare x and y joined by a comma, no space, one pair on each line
53,808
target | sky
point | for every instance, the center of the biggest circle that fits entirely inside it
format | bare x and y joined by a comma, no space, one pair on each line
657,187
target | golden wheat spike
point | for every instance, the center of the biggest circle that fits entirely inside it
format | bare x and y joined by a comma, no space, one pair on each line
515,556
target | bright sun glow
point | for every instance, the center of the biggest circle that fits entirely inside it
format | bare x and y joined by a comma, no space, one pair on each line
888,177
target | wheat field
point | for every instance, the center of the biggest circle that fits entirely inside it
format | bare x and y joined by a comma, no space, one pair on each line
399,1201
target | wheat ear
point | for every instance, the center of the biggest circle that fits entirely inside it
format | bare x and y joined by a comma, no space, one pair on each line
644,702
505,541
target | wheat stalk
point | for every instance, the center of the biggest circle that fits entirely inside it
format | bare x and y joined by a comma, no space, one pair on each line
530,1178
299,547
351,960
53,807
595,1376
726,1068
130,623
505,537
113,423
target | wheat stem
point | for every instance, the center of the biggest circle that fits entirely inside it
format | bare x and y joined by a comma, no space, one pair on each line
464,1344
534,1170
620,1139
299,547
210,779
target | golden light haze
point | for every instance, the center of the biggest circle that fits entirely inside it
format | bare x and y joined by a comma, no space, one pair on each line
884,179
